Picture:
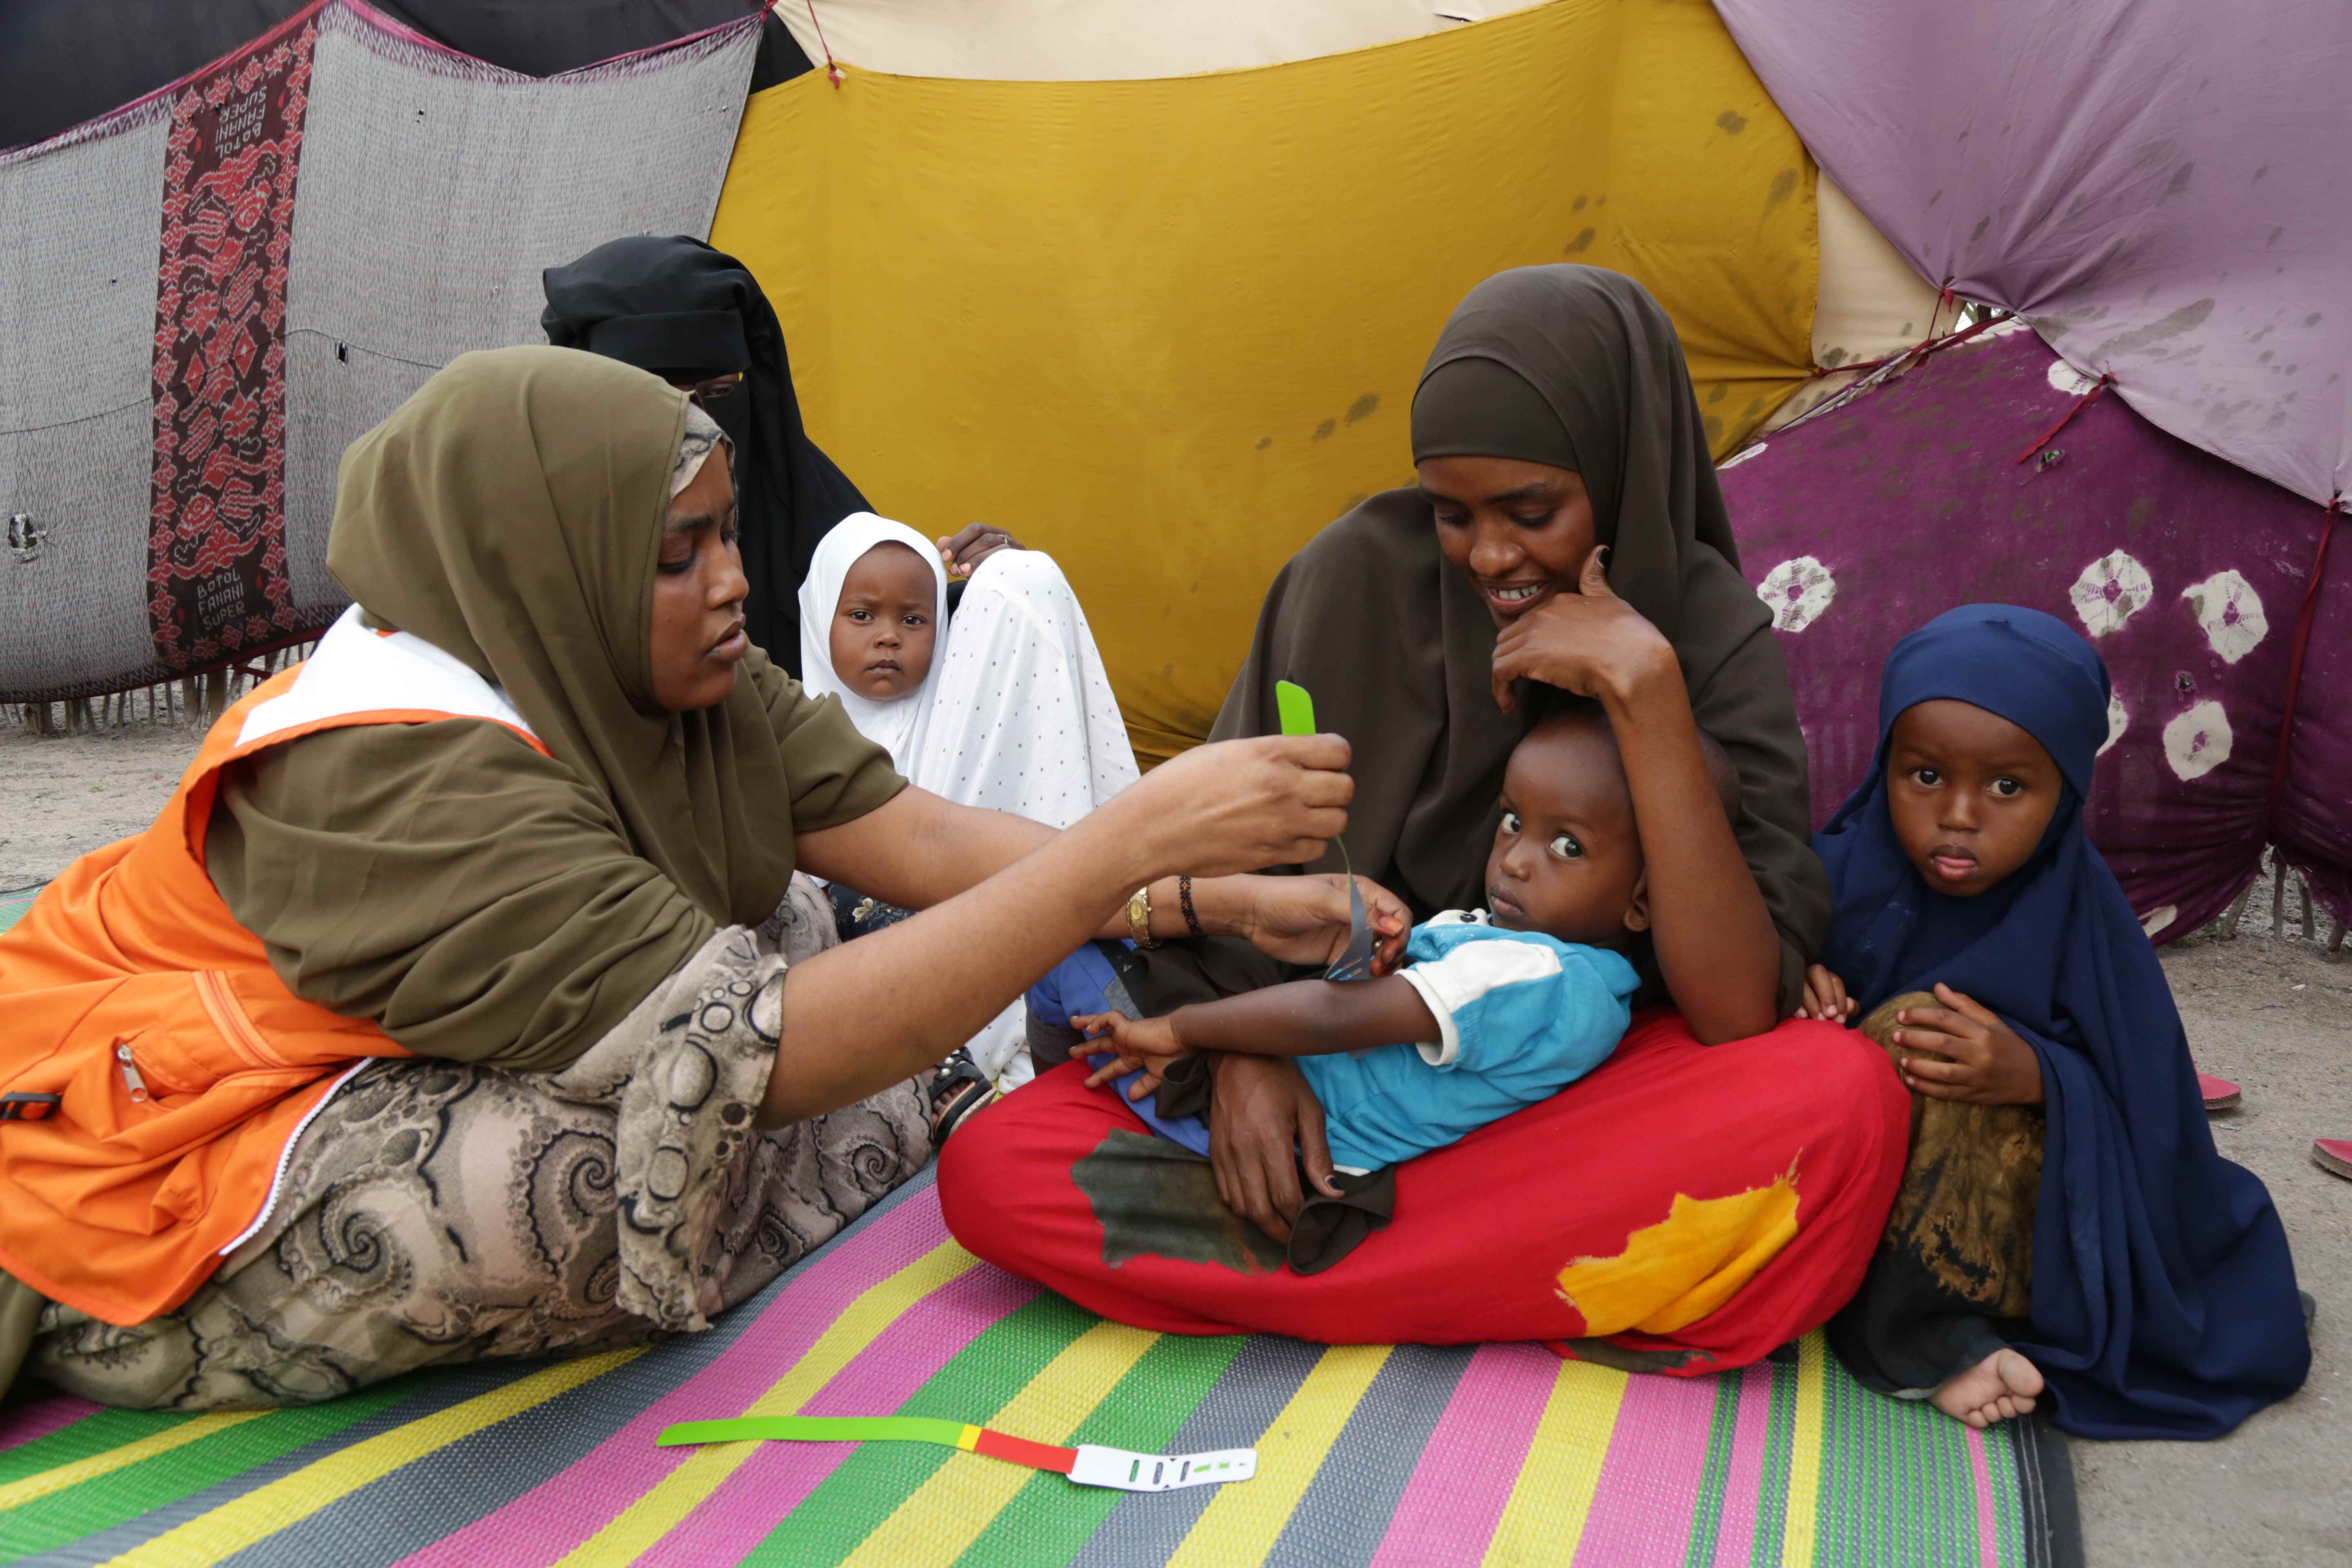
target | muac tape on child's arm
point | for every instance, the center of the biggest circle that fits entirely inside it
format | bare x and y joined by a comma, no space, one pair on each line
1088,1464
1297,710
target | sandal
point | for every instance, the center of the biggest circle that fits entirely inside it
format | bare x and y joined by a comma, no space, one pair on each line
2220,1093
958,1089
2333,1155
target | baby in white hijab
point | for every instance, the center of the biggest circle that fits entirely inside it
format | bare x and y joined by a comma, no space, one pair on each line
1008,708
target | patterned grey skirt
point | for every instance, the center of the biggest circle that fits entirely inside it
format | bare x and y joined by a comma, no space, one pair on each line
439,1212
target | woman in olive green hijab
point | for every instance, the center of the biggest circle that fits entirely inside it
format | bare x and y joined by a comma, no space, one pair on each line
574,904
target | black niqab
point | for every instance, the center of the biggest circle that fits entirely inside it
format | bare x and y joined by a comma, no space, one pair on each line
678,308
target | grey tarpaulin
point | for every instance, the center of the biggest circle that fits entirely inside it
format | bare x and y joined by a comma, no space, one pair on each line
77,418
361,205
435,191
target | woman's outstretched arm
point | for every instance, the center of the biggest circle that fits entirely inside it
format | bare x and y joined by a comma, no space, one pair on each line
920,850
860,1016
1718,948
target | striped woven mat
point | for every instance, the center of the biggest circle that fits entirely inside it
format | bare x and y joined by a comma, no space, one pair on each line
1367,1453
13,903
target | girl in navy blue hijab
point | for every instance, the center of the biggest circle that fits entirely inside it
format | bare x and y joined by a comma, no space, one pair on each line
2158,1297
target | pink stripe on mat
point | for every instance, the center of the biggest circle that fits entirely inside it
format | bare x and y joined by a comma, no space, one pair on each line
1735,1541
1987,1533
566,1510
1649,1483
41,1417
1472,1459
753,1501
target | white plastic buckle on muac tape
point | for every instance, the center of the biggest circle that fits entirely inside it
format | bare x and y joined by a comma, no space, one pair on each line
1132,1472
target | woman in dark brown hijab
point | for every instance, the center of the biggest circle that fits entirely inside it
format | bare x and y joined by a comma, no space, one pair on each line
1713,1190
1568,530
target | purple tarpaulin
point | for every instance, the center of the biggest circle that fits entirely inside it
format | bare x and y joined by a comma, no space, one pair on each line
2188,575
2162,185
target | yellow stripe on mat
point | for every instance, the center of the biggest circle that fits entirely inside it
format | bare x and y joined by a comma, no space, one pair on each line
1545,1518
1797,1535
264,1511
1243,1521
15,1494
637,1529
945,1514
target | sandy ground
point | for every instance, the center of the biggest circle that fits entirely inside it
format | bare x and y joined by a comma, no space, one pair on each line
2273,1013
69,794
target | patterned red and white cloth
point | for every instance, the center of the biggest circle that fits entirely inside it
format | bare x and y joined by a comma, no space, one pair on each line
216,552
213,291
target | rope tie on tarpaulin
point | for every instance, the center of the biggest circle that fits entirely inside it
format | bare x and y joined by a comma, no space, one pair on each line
1920,349
1886,368
1925,345
2079,403
2295,649
832,71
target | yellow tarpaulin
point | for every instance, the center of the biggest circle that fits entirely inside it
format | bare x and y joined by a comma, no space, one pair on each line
1167,330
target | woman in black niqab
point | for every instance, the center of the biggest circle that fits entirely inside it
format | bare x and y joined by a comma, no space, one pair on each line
692,315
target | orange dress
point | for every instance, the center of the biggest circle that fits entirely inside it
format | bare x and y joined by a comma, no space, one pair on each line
183,1068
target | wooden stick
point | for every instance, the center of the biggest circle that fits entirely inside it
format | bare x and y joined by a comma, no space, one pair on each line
2237,912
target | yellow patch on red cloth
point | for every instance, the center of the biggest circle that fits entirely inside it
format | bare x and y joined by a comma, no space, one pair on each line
1677,1271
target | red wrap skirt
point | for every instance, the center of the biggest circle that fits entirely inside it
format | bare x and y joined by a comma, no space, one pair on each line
1682,1208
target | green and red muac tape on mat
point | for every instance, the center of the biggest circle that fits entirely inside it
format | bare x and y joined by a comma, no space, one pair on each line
1088,1464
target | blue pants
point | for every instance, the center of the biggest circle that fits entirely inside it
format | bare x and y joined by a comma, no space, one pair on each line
1085,983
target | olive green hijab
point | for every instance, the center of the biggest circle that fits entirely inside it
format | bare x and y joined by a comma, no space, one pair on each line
511,514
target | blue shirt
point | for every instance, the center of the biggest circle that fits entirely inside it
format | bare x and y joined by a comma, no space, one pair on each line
1520,1016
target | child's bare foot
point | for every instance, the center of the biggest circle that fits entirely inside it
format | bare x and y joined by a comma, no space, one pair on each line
1998,1388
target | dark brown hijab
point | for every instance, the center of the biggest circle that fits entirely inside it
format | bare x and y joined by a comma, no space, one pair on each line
1576,367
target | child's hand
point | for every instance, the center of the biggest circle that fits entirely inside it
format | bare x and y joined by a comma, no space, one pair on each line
1988,1065
1149,1044
1825,997
963,552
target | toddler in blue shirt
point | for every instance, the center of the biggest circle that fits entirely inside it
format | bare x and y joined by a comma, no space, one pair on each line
1496,1009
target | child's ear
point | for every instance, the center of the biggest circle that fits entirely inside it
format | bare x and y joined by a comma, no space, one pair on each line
1637,907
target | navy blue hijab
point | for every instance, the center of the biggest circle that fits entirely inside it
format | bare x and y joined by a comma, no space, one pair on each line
2163,1300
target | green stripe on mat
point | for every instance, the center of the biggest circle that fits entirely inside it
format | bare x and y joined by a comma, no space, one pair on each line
1894,1469
14,905
1779,1449
1714,1474
105,1501
86,1439
1863,1490
871,1483
1048,1519
2008,1493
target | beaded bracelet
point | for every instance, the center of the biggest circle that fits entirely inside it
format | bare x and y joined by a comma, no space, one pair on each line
1184,897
